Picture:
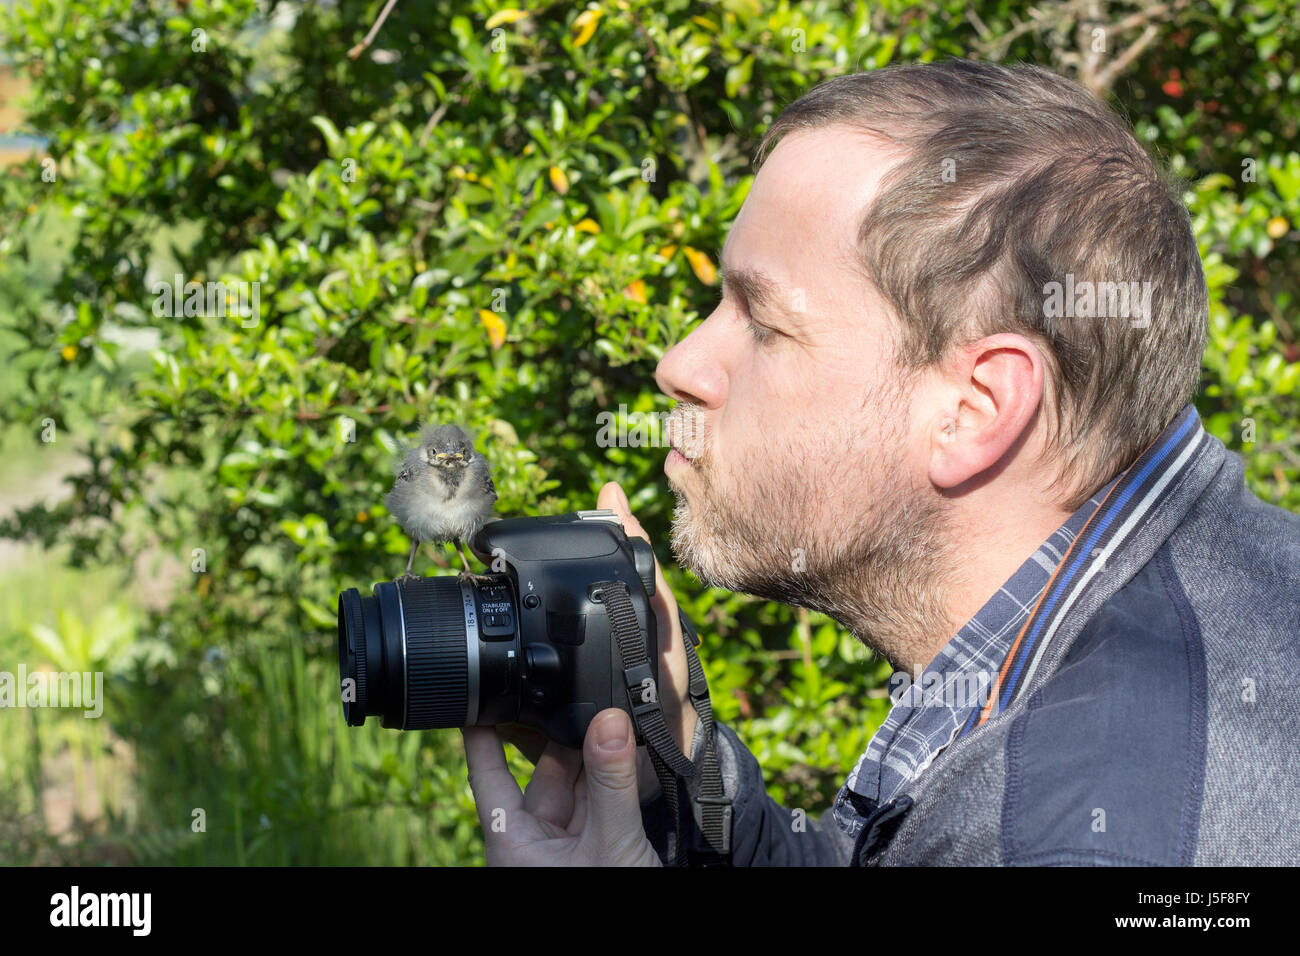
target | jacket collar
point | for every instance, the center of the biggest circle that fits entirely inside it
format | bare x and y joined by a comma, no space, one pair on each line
1142,508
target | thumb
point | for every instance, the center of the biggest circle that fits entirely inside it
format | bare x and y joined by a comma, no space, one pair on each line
613,800
614,498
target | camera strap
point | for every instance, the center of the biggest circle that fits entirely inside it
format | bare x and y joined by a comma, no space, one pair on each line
711,807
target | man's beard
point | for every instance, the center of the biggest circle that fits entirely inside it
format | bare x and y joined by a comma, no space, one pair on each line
833,525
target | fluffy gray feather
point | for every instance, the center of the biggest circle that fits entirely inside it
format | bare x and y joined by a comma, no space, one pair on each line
443,490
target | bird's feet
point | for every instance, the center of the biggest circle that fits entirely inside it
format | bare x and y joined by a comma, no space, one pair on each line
475,578
407,578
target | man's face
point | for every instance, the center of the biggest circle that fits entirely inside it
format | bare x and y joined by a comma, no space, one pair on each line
806,483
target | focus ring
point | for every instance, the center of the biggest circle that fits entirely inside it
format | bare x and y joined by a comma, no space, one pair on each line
437,668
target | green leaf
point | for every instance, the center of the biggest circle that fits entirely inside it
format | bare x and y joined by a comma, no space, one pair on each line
332,138
738,75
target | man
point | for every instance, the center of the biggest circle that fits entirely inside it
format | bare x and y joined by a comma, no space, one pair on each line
946,400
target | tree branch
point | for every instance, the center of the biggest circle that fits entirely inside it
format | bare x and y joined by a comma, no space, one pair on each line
1117,66
364,45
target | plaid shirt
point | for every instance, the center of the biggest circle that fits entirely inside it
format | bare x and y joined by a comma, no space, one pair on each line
932,709
997,651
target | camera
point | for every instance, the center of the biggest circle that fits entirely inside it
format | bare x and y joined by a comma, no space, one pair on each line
532,643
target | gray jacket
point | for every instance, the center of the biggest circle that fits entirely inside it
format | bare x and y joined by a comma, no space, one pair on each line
1161,727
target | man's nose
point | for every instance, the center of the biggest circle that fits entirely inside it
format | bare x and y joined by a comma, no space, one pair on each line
693,370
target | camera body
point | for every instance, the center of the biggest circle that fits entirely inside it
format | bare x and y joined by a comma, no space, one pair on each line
529,643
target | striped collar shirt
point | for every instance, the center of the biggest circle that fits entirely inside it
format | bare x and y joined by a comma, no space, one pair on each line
983,668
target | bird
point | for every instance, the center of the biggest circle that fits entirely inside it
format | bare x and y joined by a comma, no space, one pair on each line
443,491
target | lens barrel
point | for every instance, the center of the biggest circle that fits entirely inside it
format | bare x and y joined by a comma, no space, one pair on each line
409,654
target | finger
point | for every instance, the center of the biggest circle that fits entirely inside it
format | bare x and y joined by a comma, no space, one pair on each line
579,819
549,794
672,655
613,827
675,673
494,787
612,496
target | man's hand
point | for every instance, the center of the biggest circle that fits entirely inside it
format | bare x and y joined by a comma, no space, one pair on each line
674,676
583,807
580,809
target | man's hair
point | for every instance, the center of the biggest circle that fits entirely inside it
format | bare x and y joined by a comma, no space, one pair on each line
1013,178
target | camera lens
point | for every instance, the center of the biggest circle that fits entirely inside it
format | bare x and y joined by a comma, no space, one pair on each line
409,654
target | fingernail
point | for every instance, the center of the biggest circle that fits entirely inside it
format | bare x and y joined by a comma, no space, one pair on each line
627,506
611,735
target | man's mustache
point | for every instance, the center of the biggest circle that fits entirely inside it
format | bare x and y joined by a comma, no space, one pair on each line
685,429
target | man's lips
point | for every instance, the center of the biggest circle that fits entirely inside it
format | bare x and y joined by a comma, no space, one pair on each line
682,434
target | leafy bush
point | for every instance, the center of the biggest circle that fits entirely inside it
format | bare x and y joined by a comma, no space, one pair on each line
502,218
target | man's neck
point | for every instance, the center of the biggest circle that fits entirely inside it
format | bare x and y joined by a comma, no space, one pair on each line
992,544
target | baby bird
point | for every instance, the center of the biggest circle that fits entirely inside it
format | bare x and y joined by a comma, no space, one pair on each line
443,491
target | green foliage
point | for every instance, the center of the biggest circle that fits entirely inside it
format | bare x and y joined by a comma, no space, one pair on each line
505,221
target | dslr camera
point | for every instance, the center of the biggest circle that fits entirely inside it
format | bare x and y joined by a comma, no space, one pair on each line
531,643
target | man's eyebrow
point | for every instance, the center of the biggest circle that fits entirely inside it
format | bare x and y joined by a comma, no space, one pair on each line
752,284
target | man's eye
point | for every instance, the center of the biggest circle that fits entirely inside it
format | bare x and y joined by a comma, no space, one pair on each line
760,333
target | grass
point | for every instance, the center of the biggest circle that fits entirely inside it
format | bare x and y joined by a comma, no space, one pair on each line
242,759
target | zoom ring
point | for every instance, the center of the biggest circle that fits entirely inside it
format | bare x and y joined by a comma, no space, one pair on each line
437,669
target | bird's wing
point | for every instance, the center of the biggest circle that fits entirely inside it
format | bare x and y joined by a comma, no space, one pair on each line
403,466
408,465
489,487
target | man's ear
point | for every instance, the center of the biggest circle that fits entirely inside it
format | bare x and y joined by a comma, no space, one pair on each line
992,389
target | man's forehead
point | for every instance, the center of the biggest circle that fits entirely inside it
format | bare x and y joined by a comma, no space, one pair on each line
806,204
